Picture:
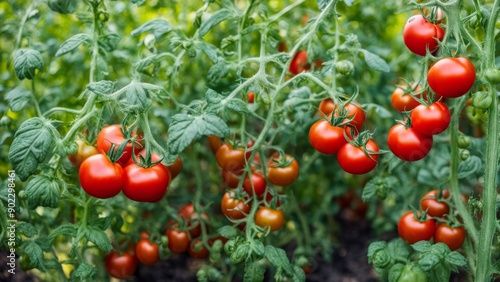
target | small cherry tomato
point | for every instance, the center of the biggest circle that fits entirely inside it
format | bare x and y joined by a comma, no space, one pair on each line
407,144
420,35
403,101
121,266
269,218
413,230
251,97
452,77
283,175
112,134
256,182
299,63
230,159
233,207
147,252
178,241
432,119
454,237
433,204
198,250
146,184
352,159
326,138
84,151
100,177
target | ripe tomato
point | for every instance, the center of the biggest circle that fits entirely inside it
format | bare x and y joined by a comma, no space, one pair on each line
431,203
454,237
101,178
84,151
174,169
299,63
283,175
233,207
432,119
266,217
352,159
451,77
231,178
354,112
403,101
188,214
407,144
230,159
178,241
147,252
121,266
256,182
326,138
412,230
251,97
146,184
112,134
419,35
198,250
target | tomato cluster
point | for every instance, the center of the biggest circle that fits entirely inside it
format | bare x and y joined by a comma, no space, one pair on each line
418,226
111,168
338,133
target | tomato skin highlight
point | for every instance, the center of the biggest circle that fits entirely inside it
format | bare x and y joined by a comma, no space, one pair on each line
433,205
147,252
419,35
353,160
432,119
233,207
453,237
112,134
266,217
407,144
100,178
326,138
411,230
452,77
146,184
178,241
121,266
283,176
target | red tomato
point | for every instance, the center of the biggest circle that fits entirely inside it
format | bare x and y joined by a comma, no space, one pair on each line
251,97
147,252
299,63
188,214
403,101
84,151
454,237
101,178
352,159
230,178
146,184
326,138
412,230
233,207
354,112
198,250
178,241
174,169
432,119
407,144
434,205
269,218
121,266
112,134
452,77
255,183
230,159
419,35
283,175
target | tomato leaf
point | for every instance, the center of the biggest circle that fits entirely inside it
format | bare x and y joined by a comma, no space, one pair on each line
27,229
349,2
84,272
102,88
218,102
422,246
217,71
185,128
18,98
298,274
209,49
277,257
99,238
64,229
215,19
228,231
35,253
158,27
42,191
52,264
456,258
472,165
73,42
257,247
398,249
442,272
137,97
378,110
109,41
26,62
63,6
374,61
375,247
395,272
254,272
322,4
298,97
427,261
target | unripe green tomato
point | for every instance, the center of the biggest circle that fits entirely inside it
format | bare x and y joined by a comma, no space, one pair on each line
344,67
229,247
191,52
412,274
482,100
464,154
25,262
103,16
492,75
463,141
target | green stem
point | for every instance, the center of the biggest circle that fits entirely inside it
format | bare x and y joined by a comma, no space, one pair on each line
61,109
454,185
35,100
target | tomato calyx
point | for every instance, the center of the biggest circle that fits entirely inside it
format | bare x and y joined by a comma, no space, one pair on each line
283,160
360,140
145,161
